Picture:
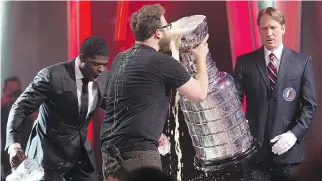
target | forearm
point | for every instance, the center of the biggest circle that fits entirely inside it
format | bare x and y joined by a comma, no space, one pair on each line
202,75
15,125
303,123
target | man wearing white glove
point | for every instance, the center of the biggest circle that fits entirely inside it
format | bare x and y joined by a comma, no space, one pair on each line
281,100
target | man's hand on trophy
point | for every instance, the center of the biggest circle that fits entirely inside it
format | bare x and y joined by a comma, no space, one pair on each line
175,39
284,142
174,47
201,51
16,157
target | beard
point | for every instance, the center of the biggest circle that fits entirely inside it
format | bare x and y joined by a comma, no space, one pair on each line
164,44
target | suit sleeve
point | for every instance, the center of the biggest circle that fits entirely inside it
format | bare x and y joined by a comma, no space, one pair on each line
238,79
308,102
28,102
103,103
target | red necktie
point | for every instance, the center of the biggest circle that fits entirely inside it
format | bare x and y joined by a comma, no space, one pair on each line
272,71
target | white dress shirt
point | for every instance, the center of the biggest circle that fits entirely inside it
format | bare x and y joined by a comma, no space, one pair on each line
278,56
92,88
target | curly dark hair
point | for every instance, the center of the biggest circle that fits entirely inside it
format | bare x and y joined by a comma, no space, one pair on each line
146,20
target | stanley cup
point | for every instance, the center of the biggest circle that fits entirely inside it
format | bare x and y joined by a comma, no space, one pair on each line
217,126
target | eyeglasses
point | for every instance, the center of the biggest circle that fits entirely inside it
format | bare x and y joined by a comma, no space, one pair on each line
168,25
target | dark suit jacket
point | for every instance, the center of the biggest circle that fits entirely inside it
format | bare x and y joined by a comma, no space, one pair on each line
268,110
58,135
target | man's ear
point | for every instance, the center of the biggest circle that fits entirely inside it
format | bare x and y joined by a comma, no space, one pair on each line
283,29
158,34
81,57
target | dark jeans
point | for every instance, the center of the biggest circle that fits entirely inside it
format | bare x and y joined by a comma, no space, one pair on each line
132,160
269,171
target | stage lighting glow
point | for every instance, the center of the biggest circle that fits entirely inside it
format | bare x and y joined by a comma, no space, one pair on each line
1,24
2,9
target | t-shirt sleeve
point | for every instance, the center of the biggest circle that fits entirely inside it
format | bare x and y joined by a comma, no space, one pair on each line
173,72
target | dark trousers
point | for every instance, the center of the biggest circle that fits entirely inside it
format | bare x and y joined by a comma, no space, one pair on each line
81,171
5,164
270,171
131,160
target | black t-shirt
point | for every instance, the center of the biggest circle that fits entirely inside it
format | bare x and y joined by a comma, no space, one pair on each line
139,89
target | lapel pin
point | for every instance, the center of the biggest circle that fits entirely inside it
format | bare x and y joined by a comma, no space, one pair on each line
289,94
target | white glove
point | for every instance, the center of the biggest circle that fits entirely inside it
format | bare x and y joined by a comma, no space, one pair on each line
284,142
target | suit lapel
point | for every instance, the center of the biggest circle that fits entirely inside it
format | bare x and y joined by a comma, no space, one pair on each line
286,61
261,65
100,86
100,89
100,83
69,84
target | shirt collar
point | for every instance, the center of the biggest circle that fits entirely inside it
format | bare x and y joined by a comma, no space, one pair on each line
78,73
277,52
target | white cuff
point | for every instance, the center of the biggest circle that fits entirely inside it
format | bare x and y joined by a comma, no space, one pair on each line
293,135
14,146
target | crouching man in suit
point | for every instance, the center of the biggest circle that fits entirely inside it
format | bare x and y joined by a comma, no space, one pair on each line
68,94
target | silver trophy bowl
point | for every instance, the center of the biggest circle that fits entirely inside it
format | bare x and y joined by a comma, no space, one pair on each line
218,127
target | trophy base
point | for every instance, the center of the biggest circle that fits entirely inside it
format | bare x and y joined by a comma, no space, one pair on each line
213,165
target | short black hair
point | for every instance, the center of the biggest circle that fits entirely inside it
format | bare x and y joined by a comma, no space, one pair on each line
93,46
147,174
